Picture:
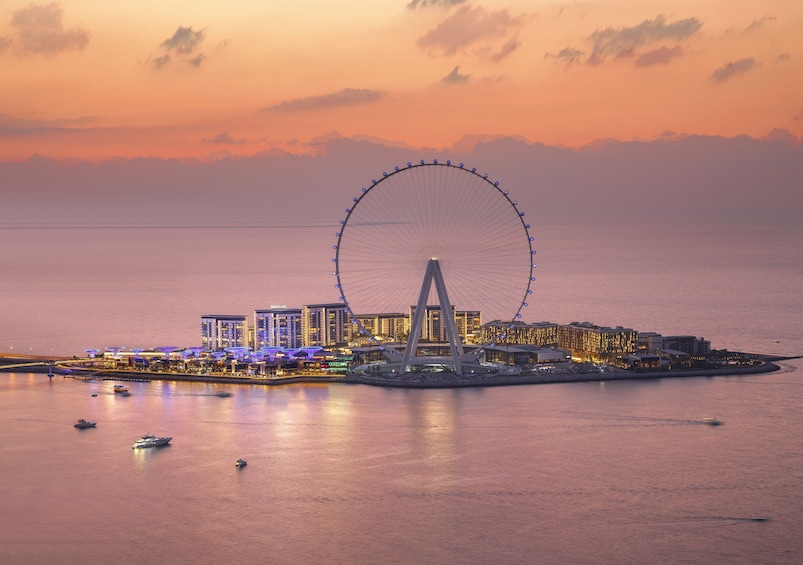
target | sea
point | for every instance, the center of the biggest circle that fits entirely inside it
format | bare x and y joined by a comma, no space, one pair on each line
596,472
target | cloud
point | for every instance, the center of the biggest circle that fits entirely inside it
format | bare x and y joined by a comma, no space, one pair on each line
427,3
567,55
475,31
660,56
16,127
184,41
225,138
38,30
625,41
160,62
729,70
506,49
758,23
184,45
782,58
345,97
455,77
780,134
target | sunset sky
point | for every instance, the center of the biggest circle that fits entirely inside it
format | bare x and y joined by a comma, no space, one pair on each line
92,80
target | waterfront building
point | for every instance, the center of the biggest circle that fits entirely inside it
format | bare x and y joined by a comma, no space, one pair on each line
588,342
278,327
219,332
543,334
325,324
525,355
432,329
387,327
469,323
696,347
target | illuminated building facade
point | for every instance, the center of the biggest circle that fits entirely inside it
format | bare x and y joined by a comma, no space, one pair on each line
433,330
386,327
469,323
543,334
278,327
222,331
588,342
325,324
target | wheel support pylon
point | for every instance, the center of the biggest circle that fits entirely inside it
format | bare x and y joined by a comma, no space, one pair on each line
433,274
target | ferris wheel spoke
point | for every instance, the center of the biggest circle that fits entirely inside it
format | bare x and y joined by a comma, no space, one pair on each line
434,211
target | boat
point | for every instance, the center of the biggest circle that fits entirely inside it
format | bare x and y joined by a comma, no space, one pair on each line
241,463
224,394
83,424
120,389
149,440
94,394
711,421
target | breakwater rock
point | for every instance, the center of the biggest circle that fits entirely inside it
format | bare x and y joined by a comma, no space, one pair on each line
451,380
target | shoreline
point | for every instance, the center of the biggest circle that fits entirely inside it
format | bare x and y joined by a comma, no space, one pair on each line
410,380
429,380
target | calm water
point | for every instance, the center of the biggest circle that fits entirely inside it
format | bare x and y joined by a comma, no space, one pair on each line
575,473
65,290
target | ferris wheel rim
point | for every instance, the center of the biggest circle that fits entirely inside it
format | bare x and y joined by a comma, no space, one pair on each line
344,223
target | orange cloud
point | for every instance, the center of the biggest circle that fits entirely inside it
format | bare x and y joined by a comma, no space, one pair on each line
184,43
474,31
626,40
730,70
660,56
38,30
345,97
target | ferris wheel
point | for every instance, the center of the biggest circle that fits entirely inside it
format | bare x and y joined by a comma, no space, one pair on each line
441,223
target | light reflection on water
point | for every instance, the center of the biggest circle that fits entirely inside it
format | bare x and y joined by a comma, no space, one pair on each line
590,472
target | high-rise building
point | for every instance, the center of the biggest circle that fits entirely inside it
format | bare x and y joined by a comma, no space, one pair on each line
387,327
325,324
433,330
588,342
469,324
542,334
278,327
222,331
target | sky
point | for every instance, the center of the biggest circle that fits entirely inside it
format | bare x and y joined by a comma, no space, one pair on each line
90,80
627,113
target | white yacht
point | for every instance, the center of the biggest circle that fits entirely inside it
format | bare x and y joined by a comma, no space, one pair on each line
149,440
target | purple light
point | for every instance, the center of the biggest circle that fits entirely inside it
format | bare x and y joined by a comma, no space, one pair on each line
166,350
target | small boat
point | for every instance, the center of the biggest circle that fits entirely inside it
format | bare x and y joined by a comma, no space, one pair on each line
83,424
149,440
711,421
120,389
94,394
241,463
224,394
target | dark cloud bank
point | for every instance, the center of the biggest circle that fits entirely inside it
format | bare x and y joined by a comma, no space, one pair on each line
691,176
